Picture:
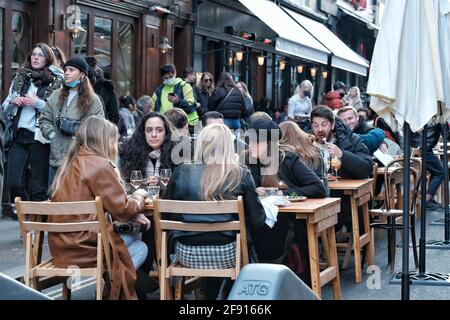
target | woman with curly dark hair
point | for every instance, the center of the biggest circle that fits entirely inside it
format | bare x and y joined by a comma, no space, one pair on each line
149,149
66,109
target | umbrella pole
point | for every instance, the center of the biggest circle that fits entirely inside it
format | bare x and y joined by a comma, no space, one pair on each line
423,205
447,218
406,193
443,244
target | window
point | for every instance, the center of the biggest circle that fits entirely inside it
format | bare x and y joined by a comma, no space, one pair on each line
21,42
125,54
103,44
81,41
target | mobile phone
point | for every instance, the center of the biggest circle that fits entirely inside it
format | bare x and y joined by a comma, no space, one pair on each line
172,94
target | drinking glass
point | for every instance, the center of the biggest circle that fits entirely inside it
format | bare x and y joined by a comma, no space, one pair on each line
271,192
165,176
136,178
336,164
153,192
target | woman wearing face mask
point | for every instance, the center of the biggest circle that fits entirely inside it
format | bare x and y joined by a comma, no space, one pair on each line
32,86
65,107
300,105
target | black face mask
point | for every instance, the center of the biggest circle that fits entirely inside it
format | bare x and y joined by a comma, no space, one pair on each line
307,94
342,94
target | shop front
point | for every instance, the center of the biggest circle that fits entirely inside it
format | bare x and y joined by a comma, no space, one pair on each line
269,47
124,36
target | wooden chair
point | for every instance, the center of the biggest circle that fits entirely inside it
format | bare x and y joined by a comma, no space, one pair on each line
393,176
165,224
31,216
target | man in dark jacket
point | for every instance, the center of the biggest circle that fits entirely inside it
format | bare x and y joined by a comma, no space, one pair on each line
433,164
338,140
105,89
371,137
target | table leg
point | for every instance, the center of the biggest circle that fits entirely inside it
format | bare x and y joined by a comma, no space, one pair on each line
314,259
323,235
333,261
356,240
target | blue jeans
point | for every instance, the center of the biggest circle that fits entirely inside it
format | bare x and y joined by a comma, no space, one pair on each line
434,166
232,123
136,248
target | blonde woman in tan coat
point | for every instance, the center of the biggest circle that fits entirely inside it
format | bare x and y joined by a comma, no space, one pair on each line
88,171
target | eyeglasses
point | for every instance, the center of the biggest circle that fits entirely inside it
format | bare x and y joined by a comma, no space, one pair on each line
38,54
207,80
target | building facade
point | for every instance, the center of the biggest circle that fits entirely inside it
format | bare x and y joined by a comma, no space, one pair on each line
125,36
274,45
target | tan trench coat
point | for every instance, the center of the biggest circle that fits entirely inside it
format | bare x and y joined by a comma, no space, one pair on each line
89,176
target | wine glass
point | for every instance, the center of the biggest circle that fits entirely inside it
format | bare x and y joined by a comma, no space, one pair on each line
136,178
336,164
165,176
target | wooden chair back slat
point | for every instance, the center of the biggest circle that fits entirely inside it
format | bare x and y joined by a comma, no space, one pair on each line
198,207
58,208
200,227
61,227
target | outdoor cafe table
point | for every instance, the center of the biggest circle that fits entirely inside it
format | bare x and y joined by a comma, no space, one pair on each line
359,192
320,216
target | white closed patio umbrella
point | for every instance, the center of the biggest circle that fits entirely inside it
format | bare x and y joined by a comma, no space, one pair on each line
443,17
406,82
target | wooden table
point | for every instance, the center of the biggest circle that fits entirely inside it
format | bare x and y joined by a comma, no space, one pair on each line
320,216
360,194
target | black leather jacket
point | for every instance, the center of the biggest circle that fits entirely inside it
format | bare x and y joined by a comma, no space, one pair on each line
185,184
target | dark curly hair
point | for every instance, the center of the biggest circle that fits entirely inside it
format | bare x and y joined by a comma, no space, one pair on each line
134,152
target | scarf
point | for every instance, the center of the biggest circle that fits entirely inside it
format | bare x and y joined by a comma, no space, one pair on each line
153,170
43,79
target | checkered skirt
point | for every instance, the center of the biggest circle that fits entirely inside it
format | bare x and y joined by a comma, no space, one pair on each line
206,257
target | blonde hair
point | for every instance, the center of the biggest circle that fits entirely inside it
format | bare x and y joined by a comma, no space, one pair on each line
96,135
215,149
304,83
211,87
258,115
358,91
303,143
244,86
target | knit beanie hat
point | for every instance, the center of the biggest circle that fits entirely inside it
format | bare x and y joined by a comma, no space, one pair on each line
266,130
79,63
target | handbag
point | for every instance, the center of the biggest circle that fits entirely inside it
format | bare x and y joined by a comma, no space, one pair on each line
10,117
67,126
129,227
